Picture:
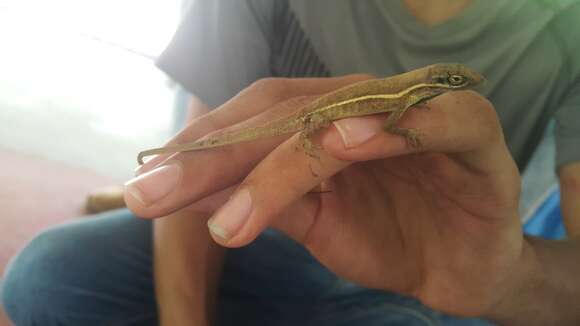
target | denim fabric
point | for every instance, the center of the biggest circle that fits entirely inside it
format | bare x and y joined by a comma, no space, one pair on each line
98,271
89,272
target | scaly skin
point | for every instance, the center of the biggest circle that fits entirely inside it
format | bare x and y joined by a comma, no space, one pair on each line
394,94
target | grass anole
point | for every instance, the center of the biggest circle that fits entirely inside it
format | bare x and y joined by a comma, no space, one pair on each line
393,94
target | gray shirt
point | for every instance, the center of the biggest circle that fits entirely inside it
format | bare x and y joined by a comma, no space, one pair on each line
528,50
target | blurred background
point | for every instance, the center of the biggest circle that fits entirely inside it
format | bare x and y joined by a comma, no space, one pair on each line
79,97
77,80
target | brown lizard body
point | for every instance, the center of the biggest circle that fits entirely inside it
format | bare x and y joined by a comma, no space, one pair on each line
393,94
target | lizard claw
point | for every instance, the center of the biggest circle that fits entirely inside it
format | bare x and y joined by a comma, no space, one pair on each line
413,138
309,147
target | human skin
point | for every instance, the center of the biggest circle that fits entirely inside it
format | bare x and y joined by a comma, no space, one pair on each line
551,264
187,263
187,268
181,243
439,222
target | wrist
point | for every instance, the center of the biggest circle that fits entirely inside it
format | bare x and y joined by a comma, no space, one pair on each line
518,295
545,288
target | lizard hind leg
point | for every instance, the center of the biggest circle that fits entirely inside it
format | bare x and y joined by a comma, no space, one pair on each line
309,148
305,144
304,141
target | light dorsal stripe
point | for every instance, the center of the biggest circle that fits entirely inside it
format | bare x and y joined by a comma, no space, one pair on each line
381,96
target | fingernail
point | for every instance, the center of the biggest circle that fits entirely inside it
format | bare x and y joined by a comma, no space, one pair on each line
228,220
154,185
150,158
355,131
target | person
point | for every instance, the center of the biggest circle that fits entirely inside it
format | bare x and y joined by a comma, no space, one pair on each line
398,235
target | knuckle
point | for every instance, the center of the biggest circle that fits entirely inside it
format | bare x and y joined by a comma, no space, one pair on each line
270,86
299,101
465,119
361,76
484,116
487,110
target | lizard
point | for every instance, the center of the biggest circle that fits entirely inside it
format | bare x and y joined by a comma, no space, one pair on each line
392,95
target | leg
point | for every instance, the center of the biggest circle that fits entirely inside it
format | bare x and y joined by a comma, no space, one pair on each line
271,281
412,135
275,281
96,271
414,100
349,304
419,101
99,272
313,125
307,145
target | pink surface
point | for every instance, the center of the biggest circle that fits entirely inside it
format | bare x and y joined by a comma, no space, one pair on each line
3,319
35,194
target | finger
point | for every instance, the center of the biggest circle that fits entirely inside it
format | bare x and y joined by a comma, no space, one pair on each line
258,97
208,205
186,177
278,183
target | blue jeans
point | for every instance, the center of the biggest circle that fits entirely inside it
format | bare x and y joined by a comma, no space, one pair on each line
98,271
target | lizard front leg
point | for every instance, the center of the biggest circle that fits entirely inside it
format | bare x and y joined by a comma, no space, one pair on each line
412,100
412,135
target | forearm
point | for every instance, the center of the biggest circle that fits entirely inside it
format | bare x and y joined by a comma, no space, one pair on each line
187,268
547,289
569,198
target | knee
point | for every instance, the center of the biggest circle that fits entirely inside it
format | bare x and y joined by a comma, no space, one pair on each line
30,278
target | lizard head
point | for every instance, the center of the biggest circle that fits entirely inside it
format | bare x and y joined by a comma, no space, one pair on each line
454,76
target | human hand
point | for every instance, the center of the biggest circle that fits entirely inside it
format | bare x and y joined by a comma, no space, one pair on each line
438,222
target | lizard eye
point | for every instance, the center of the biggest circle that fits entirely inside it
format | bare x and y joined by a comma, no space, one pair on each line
456,80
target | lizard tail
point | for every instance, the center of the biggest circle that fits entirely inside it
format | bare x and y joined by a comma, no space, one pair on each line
275,128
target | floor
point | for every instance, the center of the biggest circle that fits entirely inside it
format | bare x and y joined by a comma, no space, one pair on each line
78,100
